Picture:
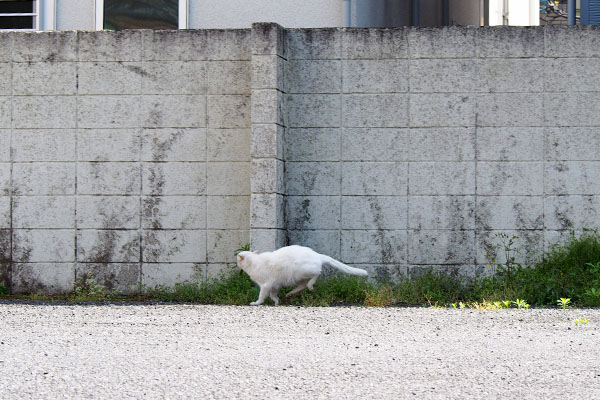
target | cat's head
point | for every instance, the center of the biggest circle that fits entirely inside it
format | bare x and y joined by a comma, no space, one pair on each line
243,259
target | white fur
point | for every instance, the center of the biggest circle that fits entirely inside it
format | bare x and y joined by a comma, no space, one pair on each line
288,266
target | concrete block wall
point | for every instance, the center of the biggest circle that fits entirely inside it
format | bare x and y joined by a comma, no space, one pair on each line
149,157
412,149
124,154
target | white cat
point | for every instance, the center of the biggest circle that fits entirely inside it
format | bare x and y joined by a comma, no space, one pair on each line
288,266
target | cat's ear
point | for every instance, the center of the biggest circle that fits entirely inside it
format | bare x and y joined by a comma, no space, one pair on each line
240,257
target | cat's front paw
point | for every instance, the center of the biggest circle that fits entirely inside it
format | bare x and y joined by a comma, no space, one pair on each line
255,303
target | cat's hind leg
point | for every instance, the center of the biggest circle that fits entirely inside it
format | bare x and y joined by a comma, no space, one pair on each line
265,290
274,297
311,282
298,288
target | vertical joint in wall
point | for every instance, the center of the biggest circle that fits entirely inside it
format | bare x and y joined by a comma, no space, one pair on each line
267,201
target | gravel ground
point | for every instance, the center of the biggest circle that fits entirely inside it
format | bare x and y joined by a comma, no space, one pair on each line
192,351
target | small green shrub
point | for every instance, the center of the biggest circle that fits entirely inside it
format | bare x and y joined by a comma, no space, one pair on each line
4,290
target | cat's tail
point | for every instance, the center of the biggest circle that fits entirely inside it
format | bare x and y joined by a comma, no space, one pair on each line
343,267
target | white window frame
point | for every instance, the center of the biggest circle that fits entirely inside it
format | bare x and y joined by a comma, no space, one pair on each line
44,16
182,19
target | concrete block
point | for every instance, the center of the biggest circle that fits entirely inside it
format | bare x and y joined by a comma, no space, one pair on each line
524,75
48,278
229,111
174,77
510,212
374,212
267,239
267,176
105,246
441,212
384,273
314,76
446,42
228,178
229,77
6,112
42,178
441,247
510,144
442,144
108,178
108,144
267,211
570,41
572,109
170,111
228,144
442,109
110,77
267,141
376,110
268,72
441,178
174,212
314,110
108,111
575,144
525,109
360,43
375,76
6,252
52,212
53,46
107,45
445,75
168,274
454,271
174,144
314,44
228,212
197,45
572,177
55,112
6,46
267,107
43,245
375,144
578,74
221,245
6,186
121,278
510,178
489,246
312,144
374,178
174,246
313,178
108,212
312,212
5,78
571,212
44,78
322,241
43,145
509,41
374,246
5,147
5,213
217,271
268,38
174,178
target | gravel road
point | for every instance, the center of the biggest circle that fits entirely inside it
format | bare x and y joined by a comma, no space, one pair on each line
192,351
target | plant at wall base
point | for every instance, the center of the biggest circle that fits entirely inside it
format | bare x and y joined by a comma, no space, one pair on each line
563,303
509,268
245,247
3,290
85,288
521,304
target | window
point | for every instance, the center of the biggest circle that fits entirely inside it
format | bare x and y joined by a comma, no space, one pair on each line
19,14
141,14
